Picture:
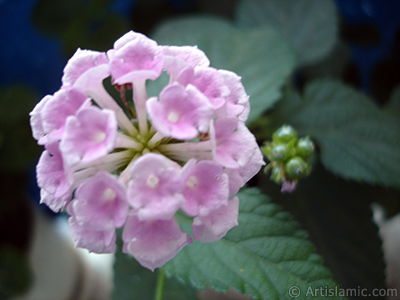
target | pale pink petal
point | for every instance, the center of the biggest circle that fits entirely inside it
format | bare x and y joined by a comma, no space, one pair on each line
36,120
79,63
233,144
237,102
97,241
153,243
181,112
210,82
89,135
135,57
100,203
53,178
206,187
176,59
64,103
191,55
240,176
213,227
154,190
55,203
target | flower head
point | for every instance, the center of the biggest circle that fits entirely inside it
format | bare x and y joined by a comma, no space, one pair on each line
133,161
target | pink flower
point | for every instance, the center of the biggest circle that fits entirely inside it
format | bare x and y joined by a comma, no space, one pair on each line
154,188
53,178
153,243
80,62
97,241
135,57
214,226
181,113
100,203
206,187
64,103
89,135
135,162
233,144
238,177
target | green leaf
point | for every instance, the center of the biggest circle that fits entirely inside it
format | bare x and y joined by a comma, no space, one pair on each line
261,57
133,282
357,140
309,26
264,256
15,272
337,215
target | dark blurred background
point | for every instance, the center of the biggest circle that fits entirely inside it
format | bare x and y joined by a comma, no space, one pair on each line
38,37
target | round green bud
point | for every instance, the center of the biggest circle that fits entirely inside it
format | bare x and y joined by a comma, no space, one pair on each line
284,134
277,174
305,147
280,152
296,167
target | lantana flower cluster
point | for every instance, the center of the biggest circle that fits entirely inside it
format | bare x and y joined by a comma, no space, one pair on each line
134,162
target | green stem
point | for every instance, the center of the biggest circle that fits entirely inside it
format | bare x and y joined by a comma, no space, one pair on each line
160,285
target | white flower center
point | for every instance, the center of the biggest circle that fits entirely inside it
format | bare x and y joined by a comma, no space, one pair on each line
192,181
109,195
173,116
152,181
99,136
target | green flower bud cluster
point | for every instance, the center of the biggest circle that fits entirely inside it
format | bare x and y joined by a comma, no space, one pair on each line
289,156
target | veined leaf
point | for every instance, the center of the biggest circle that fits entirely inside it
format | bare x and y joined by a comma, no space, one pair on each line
267,256
338,217
309,26
357,140
261,57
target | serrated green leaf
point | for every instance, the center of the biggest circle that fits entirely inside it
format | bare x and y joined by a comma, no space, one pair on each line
357,140
337,215
309,26
261,57
133,282
264,256
15,272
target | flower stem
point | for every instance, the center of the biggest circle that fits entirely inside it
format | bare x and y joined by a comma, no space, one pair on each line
160,285
139,98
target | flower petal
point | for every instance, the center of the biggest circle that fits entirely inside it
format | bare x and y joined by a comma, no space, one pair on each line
135,57
206,187
89,135
181,112
79,63
100,203
155,186
153,243
97,241
53,178
214,226
233,144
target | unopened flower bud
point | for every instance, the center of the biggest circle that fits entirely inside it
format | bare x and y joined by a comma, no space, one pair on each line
284,134
296,167
305,147
280,152
277,174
